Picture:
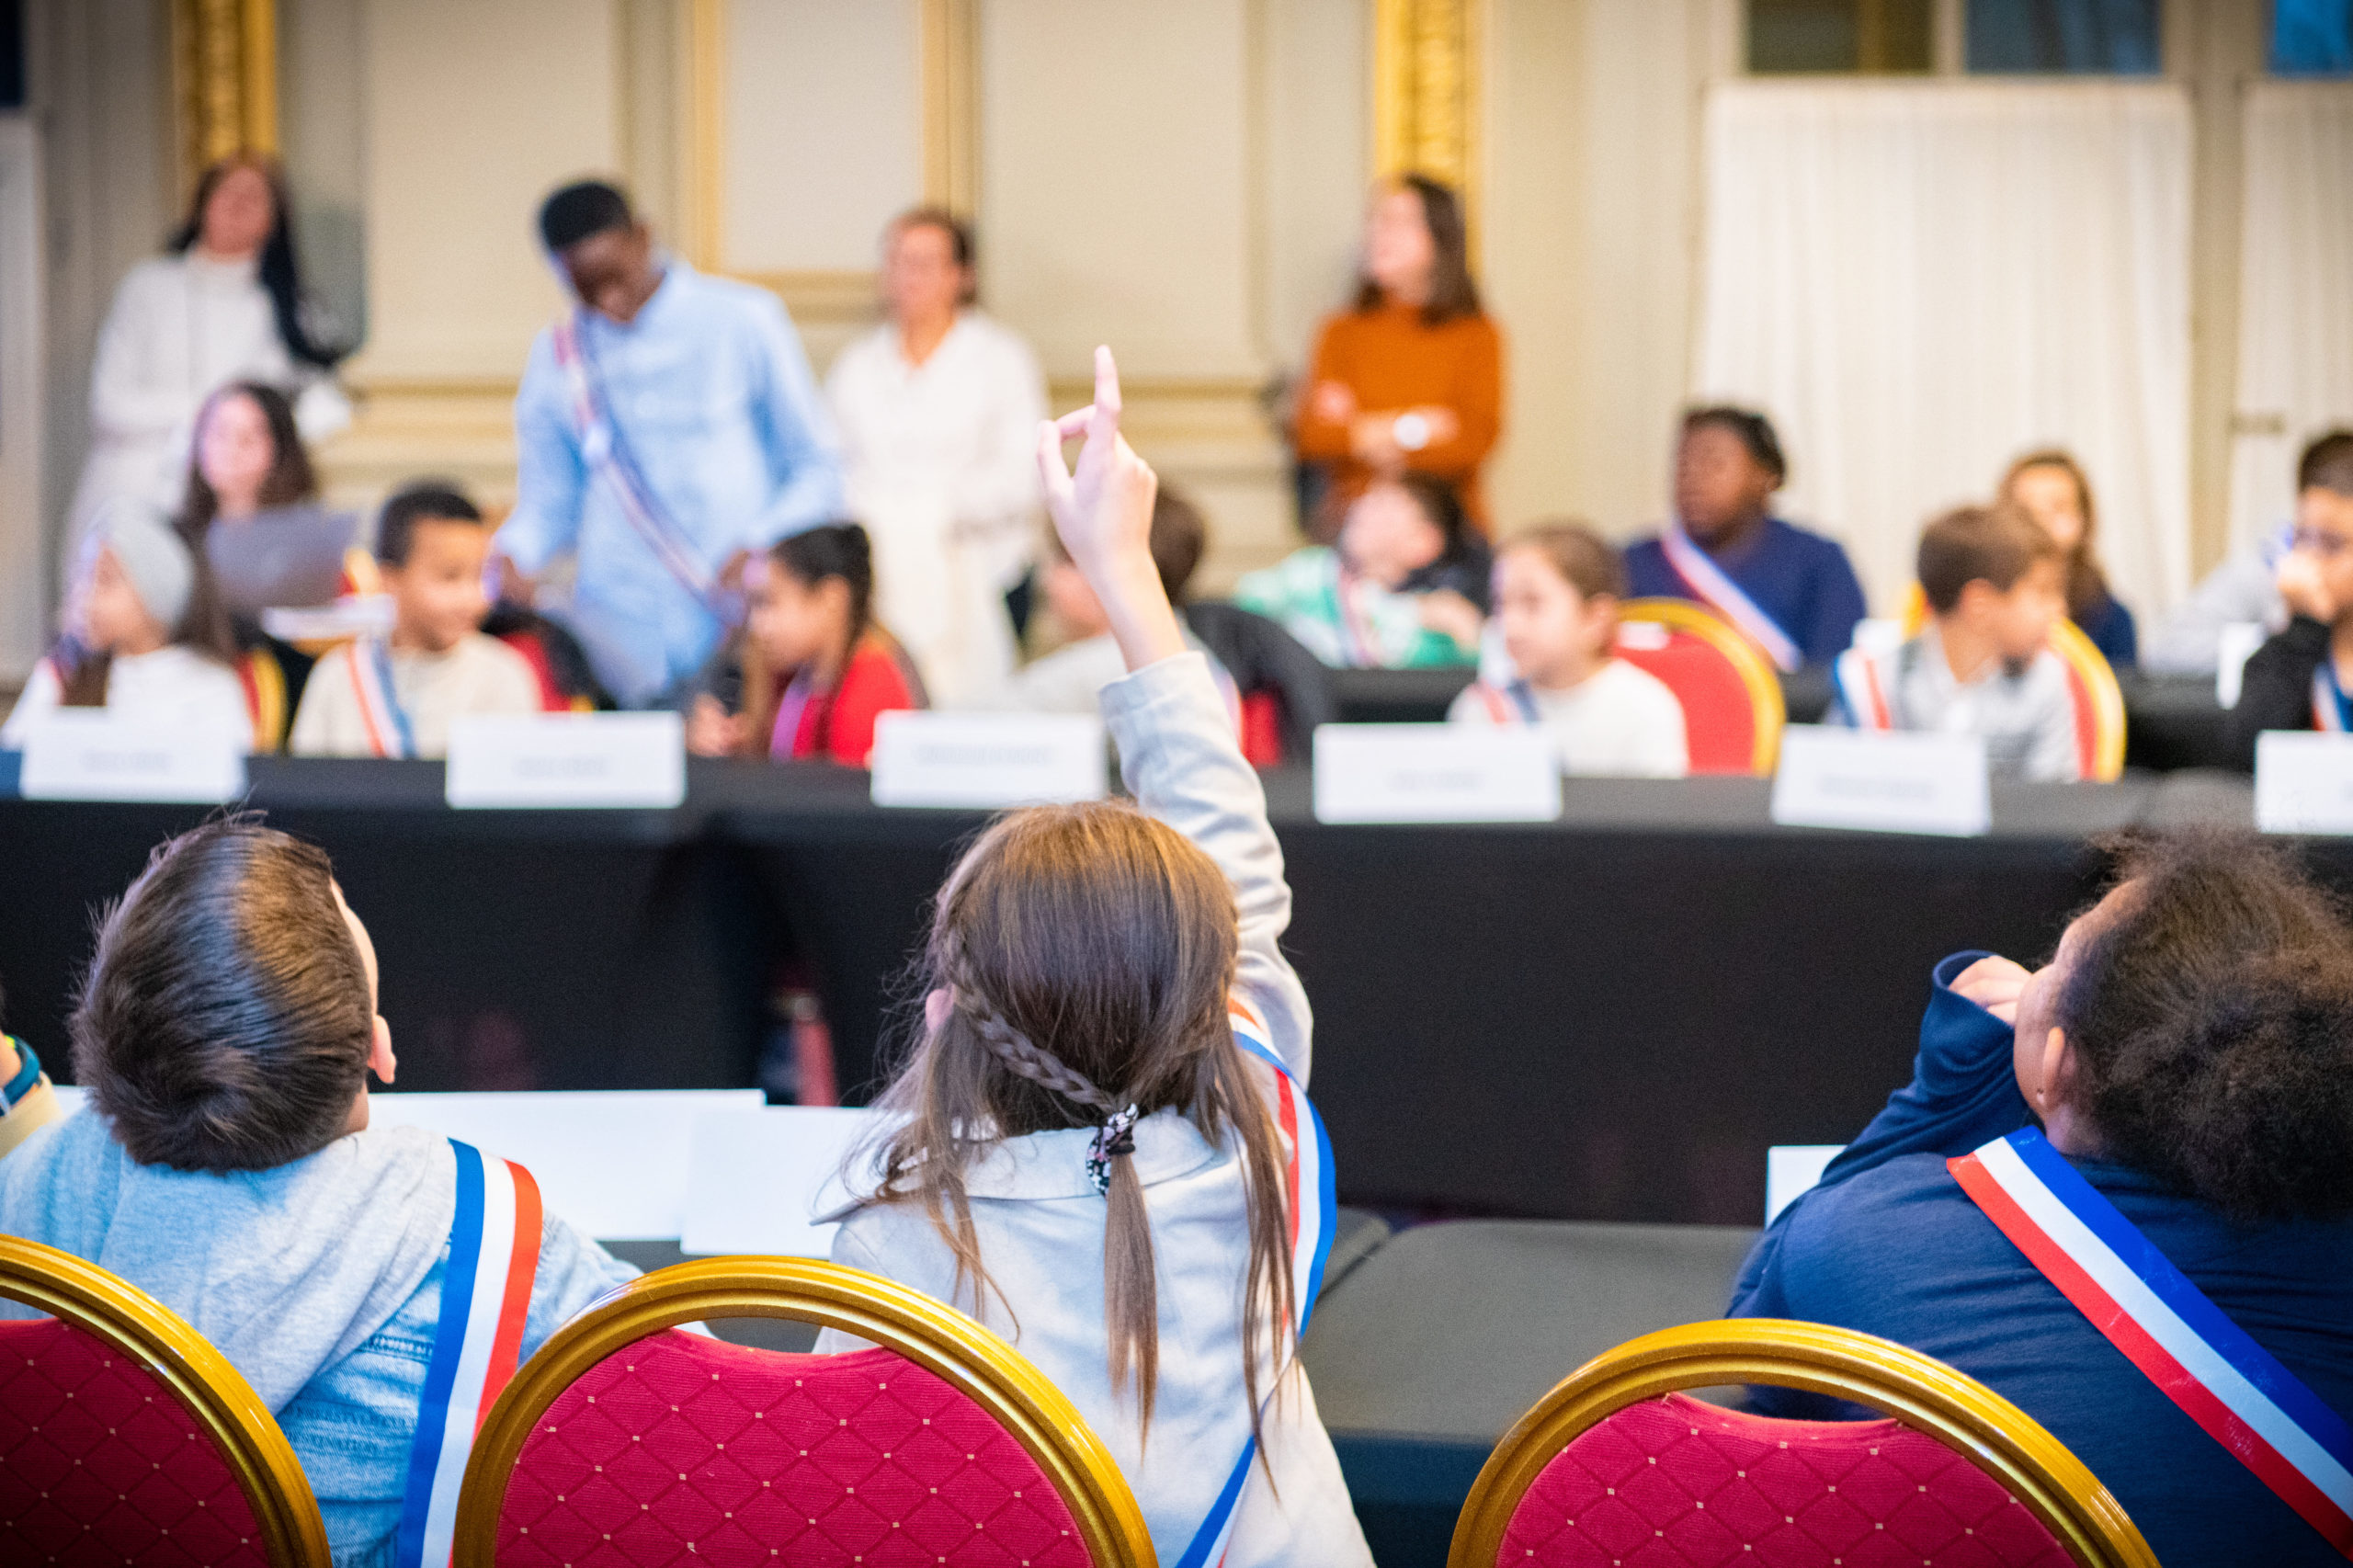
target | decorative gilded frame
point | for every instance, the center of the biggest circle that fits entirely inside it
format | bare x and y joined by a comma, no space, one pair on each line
1924,1394
224,80
1755,671
989,1371
1428,91
224,1405
947,34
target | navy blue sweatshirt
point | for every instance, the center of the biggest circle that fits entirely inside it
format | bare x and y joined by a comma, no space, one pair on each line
1889,1244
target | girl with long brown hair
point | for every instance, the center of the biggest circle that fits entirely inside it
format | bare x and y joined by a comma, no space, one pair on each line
1084,1150
2052,488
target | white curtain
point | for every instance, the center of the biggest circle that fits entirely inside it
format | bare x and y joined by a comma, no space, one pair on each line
1920,281
2295,291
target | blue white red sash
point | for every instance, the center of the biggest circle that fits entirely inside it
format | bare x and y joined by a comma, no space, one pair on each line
2331,711
1359,637
606,455
2148,1309
1513,702
381,714
1708,584
1314,1213
485,1295
1859,692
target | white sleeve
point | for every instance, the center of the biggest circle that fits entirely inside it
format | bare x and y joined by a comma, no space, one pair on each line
127,401
1183,764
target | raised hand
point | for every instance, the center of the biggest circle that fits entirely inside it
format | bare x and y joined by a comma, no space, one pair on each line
1103,514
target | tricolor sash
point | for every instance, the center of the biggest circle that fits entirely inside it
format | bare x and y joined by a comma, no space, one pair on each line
1314,1214
1860,692
485,1295
2148,1309
1514,702
607,455
2331,711
1708,584
1359,638
381,714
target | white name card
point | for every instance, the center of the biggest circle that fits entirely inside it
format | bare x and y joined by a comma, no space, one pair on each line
2303,782
1880,782
759,1181
91,754
987,761
1407,773
568,761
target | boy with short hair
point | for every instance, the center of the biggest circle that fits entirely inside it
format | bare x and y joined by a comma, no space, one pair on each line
395,697
1068,679
1997,585
2299,679
224,1164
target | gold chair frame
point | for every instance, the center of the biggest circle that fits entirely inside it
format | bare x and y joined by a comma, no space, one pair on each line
935,1336
1924,1394
225,1407
1755,671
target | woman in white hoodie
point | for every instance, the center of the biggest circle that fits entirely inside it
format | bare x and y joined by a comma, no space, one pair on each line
1102,1144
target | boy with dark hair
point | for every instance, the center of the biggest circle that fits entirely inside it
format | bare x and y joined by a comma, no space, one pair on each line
226,1166
1066,680
2298,680
1997,585
395,697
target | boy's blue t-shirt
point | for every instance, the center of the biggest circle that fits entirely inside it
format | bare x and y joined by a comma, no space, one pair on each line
1801,579
1889,1244
320,1280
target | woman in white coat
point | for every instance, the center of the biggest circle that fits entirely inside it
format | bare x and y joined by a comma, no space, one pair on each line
223,304
936,409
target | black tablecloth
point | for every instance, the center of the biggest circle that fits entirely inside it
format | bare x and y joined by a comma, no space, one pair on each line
1611,1016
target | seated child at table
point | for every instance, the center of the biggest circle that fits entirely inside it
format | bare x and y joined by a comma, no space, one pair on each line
1995,584
1069,679
146,638
224,1164
2298,680
2178,1081
395,696
1405,585
1090,1160
1558,587
817,669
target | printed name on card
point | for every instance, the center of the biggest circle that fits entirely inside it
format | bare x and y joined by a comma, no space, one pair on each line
2303,782
568,762
91,754
1409,773
1905,782
987,761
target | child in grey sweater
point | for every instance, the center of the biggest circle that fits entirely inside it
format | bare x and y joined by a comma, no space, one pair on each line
224,1164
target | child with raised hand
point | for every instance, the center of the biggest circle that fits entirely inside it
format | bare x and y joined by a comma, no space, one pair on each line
1558,588
224,1164
818,670
394,696
1085,1152
145,639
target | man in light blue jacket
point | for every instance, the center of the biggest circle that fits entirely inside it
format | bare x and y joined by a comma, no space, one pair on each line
664,430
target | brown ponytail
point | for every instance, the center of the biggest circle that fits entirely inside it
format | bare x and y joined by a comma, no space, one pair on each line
1090,952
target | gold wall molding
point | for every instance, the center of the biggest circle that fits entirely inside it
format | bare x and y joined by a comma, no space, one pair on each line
948,137
224,81
1426,90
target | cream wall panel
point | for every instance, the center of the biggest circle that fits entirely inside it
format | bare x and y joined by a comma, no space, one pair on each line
475,109
1116,184
1318,163
823,131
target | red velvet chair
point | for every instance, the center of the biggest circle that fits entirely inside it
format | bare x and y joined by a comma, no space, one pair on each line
1617,1467
126,1439
627,1443
1732,698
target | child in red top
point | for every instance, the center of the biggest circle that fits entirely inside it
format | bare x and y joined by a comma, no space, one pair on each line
817,670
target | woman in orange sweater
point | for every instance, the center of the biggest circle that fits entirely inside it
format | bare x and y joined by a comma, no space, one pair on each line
1412,376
